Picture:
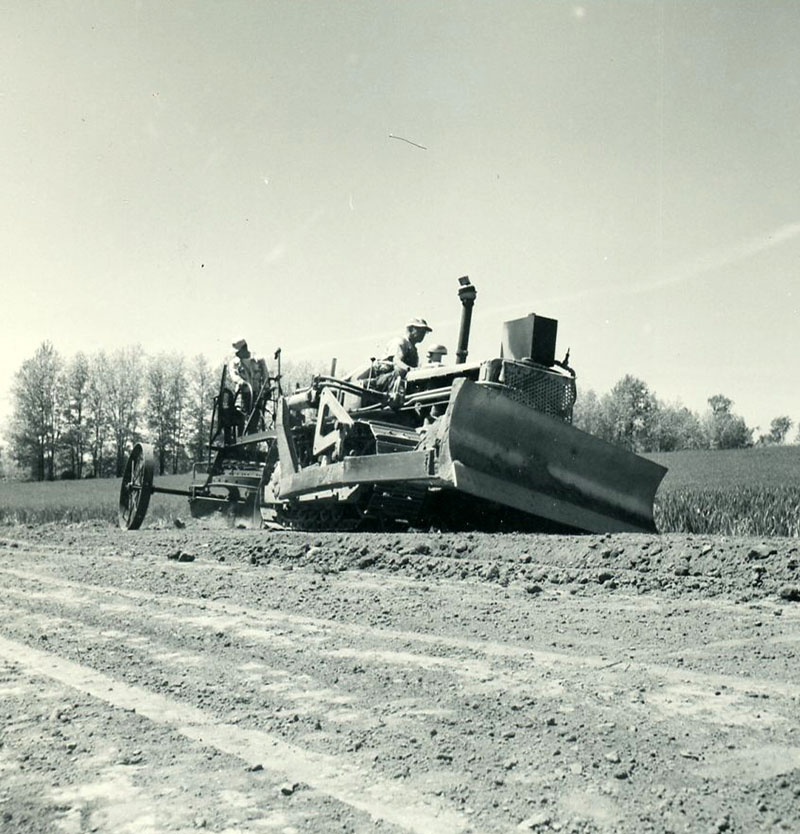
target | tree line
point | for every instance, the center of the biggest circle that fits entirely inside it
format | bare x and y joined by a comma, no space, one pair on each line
631,415
78,417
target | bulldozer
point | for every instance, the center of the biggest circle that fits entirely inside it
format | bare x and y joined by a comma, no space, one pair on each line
479,445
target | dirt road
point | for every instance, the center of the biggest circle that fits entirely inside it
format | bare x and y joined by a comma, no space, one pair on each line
235,681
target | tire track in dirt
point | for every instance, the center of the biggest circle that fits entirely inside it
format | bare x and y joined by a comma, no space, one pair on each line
106,772
687,695
332,775
581,692
250,623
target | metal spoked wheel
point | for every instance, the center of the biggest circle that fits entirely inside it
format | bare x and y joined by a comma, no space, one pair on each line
137,486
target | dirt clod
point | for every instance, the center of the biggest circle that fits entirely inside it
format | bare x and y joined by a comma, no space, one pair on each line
535,821
790,593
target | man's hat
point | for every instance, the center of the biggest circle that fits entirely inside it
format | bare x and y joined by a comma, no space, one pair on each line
438,349
240,345
421,324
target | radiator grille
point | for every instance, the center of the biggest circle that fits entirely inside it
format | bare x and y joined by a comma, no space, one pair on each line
550,392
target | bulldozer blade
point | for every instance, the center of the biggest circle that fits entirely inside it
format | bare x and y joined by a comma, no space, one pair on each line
500,450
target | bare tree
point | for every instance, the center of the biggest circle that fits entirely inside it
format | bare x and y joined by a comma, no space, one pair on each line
203,387
158,408
178,395
97,420
36,421
124,392
300,374
166,406
76,392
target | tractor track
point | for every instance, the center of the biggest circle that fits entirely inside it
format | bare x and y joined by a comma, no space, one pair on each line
422,683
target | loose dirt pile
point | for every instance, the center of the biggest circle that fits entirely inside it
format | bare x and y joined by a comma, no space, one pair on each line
677,564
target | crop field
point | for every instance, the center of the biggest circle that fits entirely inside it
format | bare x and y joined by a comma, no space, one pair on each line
738,492
734,492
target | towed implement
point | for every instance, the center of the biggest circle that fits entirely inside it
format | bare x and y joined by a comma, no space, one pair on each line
474,445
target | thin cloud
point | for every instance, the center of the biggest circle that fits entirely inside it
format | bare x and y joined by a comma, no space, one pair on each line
706,264
375,338
680,274
720,258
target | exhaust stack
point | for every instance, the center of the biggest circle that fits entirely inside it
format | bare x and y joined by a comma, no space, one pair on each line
466,294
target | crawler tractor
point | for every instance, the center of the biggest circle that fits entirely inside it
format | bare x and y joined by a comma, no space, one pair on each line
483,445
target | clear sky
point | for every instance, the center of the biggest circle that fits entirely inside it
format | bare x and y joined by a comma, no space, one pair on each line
182,174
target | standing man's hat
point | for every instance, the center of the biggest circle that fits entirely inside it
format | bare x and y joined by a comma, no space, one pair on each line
421,324
240,345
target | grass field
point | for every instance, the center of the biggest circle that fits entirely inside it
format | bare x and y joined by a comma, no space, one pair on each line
25,502
740,492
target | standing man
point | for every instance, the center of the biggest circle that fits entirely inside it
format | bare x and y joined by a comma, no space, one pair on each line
242,376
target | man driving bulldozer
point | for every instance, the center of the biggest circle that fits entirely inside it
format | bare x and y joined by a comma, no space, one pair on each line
401,356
